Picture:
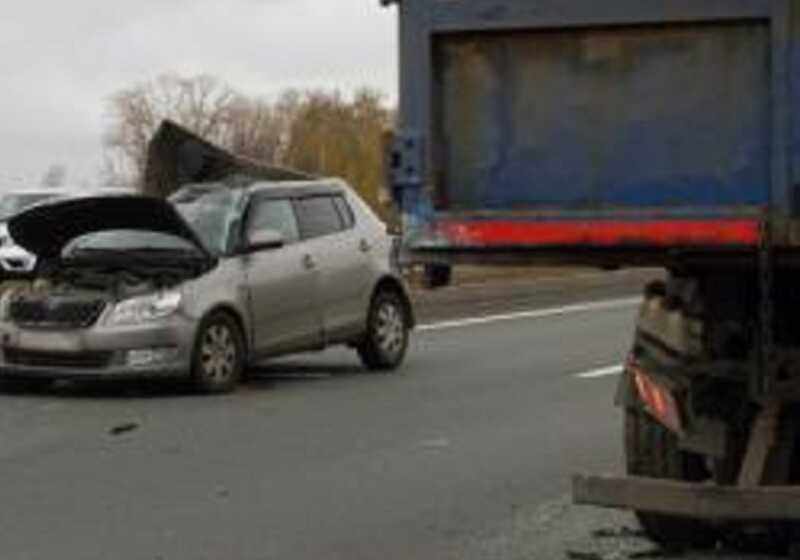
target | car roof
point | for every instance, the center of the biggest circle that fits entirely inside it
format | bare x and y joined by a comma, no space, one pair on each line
293,189
298,188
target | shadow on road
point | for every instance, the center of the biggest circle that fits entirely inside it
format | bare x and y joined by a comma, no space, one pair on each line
263,377
300,371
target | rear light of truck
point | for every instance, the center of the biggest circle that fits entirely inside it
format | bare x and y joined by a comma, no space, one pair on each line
658,400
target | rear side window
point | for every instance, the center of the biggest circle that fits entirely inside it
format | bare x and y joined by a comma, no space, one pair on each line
319,216
345,212
276,214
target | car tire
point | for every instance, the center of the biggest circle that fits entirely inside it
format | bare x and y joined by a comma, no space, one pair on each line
385,343
218,357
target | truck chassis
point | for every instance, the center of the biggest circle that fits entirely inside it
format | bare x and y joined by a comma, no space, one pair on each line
711,393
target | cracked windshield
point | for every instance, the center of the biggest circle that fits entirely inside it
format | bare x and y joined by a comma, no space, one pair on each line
400,280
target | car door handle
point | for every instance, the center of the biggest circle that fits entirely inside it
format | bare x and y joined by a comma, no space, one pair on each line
365,246
308,262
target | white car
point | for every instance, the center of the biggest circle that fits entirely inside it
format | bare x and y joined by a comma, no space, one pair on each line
14,260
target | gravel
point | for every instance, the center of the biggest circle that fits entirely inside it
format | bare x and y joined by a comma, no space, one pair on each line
559,530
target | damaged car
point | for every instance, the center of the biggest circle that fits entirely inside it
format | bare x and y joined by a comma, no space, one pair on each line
203,285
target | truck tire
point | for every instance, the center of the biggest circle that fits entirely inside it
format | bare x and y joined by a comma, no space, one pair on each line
436,276
652,451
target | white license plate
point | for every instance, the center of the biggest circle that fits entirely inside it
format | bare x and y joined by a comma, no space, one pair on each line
49,341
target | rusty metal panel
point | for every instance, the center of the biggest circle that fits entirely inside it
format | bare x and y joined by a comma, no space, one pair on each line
176,156
603,118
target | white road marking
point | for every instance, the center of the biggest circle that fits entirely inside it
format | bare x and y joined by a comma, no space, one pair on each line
602,372
535,314
439,443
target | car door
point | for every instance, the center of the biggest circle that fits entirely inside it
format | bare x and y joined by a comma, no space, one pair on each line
341,257
282,283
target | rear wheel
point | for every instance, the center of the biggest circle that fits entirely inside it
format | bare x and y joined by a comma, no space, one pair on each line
218,357
386,340
652,451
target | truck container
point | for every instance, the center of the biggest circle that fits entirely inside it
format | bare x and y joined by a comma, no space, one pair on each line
580,130
630,133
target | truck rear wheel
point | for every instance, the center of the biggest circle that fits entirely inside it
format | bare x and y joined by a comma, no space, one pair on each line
652,451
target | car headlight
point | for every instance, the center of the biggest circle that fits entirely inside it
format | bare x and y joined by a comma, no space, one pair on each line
144,308
5,304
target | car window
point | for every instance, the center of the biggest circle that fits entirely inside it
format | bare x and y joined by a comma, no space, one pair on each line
277,214
345,212
318,216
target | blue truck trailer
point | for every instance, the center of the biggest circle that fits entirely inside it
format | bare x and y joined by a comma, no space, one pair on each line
633,133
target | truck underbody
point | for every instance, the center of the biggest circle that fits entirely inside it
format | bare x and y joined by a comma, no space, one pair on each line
711,393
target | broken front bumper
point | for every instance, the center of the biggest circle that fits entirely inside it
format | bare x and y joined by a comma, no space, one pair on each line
159,348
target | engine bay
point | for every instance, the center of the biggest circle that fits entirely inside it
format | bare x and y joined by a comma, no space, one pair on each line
114,281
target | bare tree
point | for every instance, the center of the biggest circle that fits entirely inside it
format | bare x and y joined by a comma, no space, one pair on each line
201,103
112,171
253,130
330,135
55,176
319,132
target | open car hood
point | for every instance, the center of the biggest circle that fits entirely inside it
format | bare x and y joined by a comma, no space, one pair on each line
46,229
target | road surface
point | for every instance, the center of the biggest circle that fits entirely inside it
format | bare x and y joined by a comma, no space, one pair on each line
466,453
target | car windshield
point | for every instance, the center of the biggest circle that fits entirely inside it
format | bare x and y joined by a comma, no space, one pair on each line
126,240
12,204
209,211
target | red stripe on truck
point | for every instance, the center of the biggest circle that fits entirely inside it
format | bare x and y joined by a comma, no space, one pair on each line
607,233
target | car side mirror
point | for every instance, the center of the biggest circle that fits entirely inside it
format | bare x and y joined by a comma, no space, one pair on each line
263,239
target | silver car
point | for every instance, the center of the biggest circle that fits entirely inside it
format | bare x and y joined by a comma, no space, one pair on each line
203,285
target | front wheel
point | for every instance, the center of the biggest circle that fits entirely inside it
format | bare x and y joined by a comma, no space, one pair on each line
218,358
386,340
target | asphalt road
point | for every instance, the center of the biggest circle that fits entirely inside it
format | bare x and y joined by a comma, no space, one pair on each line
466,453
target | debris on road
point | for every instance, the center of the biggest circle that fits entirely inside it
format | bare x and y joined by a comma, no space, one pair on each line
438,443
622,532
120,429
574,555
656,553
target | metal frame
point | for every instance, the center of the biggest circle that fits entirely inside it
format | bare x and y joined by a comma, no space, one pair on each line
686,499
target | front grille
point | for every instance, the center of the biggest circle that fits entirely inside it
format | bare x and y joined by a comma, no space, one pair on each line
89,360
56,312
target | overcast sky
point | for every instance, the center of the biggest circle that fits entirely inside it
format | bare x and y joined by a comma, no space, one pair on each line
61,60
